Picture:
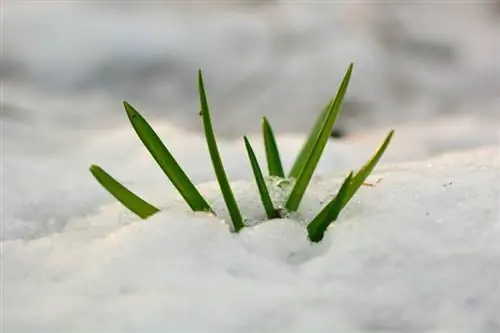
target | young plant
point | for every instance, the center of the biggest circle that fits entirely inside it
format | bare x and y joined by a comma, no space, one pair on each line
271,212
350,186
313,153
166,161
274,165
317,227
308,159
301,171
134,203
227,193
365,171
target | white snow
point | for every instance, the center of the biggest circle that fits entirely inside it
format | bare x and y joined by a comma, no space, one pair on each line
418,252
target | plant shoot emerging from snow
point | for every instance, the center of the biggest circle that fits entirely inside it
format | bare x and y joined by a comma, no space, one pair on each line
299,176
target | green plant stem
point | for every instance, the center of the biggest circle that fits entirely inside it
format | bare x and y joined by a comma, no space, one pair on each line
313,158
261,184
274,164
166,161
307,147
227,193
367,169
317,227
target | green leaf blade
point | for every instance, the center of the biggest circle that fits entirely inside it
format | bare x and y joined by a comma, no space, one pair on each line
318,147
261,184
274,165
367,169
134,203
166,161
232,206
306,149
317,227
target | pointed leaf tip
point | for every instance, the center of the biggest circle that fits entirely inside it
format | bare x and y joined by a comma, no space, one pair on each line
274,164
129,109
367,168
200,76
266,200
166,161
220,173
130,200
314,147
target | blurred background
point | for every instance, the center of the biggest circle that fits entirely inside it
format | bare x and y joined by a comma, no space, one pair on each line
70,63
66,66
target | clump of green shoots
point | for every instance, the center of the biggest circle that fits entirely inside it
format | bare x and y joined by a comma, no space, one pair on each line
301,171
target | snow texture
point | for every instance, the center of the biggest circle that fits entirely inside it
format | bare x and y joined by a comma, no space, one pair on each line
420,251
417,252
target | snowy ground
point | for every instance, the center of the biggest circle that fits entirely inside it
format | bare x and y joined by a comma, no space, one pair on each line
418,252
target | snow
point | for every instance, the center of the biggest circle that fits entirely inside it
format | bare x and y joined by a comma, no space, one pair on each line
419,251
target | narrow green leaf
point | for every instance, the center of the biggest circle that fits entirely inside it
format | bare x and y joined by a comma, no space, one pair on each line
307,147
316,229
365,171
220,173
261,183
305,151
314,156
274,165
166,161
134,203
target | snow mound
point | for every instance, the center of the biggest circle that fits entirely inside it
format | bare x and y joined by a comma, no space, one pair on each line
420,251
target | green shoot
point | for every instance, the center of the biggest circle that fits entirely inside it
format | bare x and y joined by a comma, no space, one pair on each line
133,202
306,149
314,156
299,176
317,227
166,161
365,171
261,184
272,153
220,173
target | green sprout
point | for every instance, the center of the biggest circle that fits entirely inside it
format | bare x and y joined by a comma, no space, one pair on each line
300,174
271,212
312,153
272,153
166,161
134,203
225,188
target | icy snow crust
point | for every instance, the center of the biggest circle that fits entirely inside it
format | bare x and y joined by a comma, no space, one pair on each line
420,251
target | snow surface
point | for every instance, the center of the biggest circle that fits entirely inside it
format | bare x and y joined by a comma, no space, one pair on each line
419,252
